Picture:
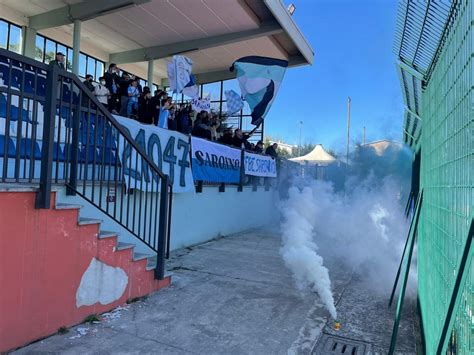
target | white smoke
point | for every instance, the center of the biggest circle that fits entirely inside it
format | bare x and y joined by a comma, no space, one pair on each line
360,224
299,250
366,227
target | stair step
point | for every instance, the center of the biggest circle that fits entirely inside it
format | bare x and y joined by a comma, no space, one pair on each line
85,221
123,246
107,234
140,256
67,206
151,263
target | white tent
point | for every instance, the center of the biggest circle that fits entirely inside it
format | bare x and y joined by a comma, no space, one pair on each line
318,156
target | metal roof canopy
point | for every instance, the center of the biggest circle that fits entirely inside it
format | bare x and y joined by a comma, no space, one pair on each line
420,32
422,28
213,33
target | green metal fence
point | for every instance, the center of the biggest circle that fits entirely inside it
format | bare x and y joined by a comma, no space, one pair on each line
447,178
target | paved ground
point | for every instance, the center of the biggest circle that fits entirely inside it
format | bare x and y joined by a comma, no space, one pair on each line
235,296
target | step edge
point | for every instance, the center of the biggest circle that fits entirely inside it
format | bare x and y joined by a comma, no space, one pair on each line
67,206
86,221
107,234
124,246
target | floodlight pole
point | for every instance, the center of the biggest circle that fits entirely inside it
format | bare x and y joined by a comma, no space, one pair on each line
348,127
363,140
299,144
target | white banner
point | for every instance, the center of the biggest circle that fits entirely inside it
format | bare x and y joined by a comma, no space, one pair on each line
259,165
201,104
169,150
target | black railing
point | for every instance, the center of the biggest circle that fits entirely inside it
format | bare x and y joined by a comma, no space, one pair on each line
55,131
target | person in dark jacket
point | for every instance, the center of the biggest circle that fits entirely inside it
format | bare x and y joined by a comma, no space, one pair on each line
112,83
259,147
201,126
123,93
272,150
58,61
172,120
90,86
241,138
185,124
145,107
226,137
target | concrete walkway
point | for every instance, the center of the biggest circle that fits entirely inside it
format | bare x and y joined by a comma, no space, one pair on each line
235,296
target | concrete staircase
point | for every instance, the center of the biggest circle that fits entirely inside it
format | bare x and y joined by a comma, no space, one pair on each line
115,236
62,267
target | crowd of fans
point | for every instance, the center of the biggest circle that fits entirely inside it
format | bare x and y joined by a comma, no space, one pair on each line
123,95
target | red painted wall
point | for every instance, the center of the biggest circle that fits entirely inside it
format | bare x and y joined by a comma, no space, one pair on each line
43,255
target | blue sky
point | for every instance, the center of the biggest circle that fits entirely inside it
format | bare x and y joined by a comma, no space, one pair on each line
353,42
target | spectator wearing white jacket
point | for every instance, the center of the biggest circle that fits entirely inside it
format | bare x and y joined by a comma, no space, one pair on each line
101,92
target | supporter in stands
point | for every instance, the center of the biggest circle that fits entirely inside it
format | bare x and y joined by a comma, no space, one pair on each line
241,139
139,86
172,122
201,126
166,105
145,107
58,61
259,147
88,82
123,94
184,121
226,137
101,92
90,86
133,95
272,150
112,83
214,124
156,102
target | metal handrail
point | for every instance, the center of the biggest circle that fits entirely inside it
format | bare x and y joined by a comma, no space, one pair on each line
101,137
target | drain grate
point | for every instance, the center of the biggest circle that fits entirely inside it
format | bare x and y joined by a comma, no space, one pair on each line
331,344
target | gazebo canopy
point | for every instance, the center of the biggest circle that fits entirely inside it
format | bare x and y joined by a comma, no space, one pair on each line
318,156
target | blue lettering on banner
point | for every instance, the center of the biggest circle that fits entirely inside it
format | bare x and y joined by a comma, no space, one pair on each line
169,150
214,162
259,165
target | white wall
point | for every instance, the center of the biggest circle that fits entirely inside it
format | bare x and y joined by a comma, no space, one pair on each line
199,217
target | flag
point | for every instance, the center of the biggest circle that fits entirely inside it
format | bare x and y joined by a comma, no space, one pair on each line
259,80
234,102
179,72
191,89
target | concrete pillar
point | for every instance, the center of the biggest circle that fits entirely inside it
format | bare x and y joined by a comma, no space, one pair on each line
76,46
29,42
150,75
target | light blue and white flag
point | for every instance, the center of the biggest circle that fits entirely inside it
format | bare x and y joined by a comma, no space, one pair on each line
259,79
234,102
179,72
191,89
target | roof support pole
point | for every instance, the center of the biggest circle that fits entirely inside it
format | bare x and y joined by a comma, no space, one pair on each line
150,75
29,42
76,47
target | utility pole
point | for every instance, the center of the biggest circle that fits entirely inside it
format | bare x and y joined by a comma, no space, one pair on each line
299,144
363,139
348,127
